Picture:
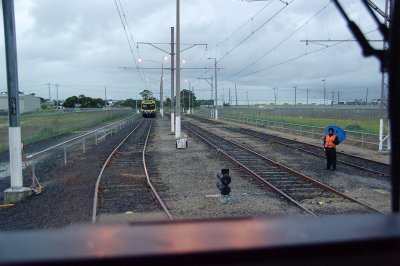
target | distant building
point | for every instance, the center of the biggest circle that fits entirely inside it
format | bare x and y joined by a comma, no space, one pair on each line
111,102
27,103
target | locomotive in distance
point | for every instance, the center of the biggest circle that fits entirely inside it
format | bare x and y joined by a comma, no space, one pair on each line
148,108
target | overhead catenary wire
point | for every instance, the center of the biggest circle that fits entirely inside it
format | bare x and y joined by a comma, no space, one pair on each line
252,32
280,43
129,28
256,30
119,9
244,24
298,57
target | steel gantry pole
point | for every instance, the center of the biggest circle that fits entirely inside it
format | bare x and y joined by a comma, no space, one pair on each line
172,80
17,192
394,96
384,123
324,92
161,89
193,102
236,95
189,96
216,92
178,76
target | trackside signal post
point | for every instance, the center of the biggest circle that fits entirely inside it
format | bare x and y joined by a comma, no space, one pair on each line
223,182
17,192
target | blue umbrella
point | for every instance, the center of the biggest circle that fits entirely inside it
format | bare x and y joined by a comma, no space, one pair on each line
340,133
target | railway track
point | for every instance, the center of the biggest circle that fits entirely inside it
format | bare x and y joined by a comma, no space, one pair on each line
343,158
311,196
360,163
123,190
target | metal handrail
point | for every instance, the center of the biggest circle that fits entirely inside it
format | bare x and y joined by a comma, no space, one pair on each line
75,138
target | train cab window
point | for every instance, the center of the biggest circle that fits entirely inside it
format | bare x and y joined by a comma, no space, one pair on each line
148,106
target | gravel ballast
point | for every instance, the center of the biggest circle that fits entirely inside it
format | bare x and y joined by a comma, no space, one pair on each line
184,178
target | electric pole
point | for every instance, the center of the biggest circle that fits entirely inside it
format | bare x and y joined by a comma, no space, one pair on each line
161,89
211,83
215,82
236,95
189,96
105,96
178,75
172,80
57,94
48,84
17,192
324,92
193,101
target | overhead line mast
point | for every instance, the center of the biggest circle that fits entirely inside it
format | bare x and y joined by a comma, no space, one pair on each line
384,123
172,54
16,192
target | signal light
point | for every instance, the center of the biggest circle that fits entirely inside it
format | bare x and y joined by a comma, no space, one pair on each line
223,182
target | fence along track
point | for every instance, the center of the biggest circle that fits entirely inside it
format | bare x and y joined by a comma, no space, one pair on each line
124,151
295,187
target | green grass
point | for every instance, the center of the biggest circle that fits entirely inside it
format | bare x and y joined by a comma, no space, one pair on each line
362,126
43,125
355,123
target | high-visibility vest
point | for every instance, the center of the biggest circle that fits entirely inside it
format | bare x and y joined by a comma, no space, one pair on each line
329,141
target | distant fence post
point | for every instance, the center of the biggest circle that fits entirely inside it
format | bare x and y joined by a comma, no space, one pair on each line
65,154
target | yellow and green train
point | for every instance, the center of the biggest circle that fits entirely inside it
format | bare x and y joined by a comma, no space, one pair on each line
148,108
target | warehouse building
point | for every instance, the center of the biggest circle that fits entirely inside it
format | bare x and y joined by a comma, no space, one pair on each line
27,103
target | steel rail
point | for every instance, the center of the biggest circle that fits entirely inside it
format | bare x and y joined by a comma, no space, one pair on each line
305,177
96,189
319,155
298,174
253,173
148,177
307,151
94,213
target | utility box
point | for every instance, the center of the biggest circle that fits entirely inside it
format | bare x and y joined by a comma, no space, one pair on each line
181,143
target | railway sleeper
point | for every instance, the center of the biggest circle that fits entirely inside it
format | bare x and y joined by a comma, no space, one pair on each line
301,188
279,178
295,186
312,198
273,172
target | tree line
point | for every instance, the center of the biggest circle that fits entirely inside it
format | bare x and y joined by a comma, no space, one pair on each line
88,102
84,102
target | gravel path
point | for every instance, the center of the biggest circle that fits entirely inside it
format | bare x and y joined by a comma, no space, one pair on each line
187,181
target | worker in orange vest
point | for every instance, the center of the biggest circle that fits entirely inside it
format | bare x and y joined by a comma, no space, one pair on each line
330,142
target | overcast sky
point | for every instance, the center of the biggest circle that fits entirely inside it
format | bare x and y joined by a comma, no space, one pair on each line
259,45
